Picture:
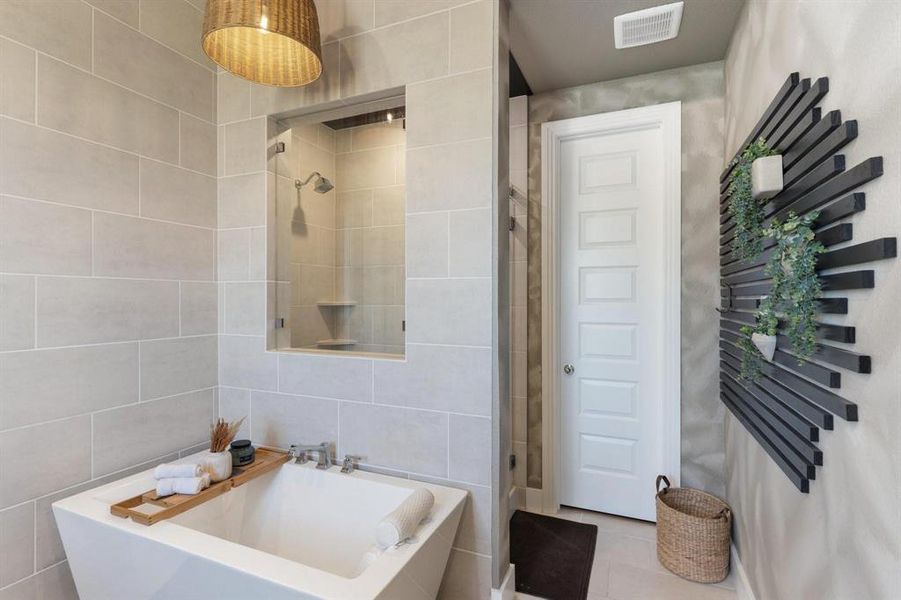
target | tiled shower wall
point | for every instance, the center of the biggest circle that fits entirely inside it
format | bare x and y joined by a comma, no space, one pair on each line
429,415
370,173
306,225
107,258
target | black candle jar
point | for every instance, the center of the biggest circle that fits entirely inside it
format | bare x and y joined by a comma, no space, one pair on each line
242,453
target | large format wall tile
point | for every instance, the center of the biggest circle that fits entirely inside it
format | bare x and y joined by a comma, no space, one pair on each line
245,147
131,434
393,11
41,385
397,438
464,103
199,312
44,238
16,312
242,200
470,37
449,176
469,454
470,243
449,311
75,102
133,247
447,378
141,64
17,65
127,11
43,458
232,97
176,24
16,543
172,194
339,377
45,165
383,59
87,311
426,249
244,362
245,308
197,144
178,365
281,420
60,28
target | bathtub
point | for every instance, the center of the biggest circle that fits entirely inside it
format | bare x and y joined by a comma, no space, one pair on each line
297,532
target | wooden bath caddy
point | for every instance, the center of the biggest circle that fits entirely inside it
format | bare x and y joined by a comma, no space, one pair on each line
266,461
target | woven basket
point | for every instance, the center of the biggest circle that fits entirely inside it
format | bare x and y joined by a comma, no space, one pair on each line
694,532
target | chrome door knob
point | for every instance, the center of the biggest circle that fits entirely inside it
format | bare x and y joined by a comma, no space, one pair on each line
568,369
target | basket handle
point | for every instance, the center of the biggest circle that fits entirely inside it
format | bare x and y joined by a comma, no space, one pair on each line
664,480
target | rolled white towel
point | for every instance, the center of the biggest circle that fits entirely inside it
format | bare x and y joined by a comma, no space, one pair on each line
182,485
401,523
170,470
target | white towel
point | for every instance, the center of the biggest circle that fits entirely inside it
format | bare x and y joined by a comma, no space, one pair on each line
182,485
401,523
170,470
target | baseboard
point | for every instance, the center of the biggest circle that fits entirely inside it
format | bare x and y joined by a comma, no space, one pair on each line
534,499
743,589
507,591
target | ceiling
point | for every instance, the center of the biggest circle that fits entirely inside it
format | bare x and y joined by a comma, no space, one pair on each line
562,43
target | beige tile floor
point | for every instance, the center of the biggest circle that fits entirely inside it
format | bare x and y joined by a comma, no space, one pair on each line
626,568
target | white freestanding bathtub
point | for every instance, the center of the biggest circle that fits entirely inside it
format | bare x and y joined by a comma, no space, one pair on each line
297,532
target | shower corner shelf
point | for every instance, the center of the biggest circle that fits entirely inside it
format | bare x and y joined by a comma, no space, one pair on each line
337,342
336,303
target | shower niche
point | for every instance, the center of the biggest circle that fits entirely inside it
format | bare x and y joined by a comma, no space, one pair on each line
340,206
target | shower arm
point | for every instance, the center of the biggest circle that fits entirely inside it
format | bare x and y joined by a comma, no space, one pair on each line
298,184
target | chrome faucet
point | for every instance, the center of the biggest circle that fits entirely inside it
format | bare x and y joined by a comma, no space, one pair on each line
300,454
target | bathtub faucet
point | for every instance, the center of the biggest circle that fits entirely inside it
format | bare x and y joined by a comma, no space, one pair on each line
323,450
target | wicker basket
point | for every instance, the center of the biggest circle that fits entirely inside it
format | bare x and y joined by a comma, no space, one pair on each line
694,531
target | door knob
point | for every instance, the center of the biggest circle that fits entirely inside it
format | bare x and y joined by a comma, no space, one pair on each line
568,369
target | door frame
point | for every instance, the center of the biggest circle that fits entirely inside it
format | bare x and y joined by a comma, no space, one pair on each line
668,118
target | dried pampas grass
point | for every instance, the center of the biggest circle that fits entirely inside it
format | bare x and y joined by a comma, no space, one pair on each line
222,433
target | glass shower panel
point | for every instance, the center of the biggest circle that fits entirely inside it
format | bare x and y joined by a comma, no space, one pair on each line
340,206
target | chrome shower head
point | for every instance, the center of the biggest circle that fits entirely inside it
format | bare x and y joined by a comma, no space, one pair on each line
321,186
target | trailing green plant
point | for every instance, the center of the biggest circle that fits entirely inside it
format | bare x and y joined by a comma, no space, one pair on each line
745,210
796,289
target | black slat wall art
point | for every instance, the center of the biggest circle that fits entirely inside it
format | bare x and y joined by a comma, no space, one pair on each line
786,408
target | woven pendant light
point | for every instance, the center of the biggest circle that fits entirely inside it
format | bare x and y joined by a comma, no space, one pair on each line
274,42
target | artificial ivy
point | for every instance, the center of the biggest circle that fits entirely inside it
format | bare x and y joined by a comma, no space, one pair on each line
796,289
745,210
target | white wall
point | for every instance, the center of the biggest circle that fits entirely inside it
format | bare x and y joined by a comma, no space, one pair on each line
107,259
428,416
843,540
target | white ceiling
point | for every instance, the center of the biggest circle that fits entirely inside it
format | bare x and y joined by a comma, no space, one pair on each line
562,43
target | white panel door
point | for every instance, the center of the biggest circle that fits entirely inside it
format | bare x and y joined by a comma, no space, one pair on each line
611,325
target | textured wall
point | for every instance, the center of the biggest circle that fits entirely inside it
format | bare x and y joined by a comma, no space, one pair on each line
700,88
429,415
843,540
107,259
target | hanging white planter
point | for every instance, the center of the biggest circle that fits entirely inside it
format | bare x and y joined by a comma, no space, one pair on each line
766,177
766,344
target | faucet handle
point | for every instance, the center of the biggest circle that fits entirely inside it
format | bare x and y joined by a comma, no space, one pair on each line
351,462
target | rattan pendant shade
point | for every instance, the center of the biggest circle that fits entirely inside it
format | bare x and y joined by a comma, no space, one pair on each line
274,42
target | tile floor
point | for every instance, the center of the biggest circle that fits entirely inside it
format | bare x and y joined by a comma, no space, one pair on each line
626,568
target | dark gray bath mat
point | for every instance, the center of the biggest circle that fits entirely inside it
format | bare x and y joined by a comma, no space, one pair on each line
553,556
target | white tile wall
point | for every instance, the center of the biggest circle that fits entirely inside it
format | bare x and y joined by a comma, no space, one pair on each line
108,227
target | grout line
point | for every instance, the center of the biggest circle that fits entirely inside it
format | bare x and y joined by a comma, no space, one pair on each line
111,212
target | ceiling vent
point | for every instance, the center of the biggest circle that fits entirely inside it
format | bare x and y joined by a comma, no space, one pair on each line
647,26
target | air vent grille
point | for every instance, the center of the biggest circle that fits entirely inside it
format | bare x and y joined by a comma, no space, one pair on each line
647,26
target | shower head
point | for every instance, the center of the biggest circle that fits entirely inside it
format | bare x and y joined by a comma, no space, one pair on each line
321,186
